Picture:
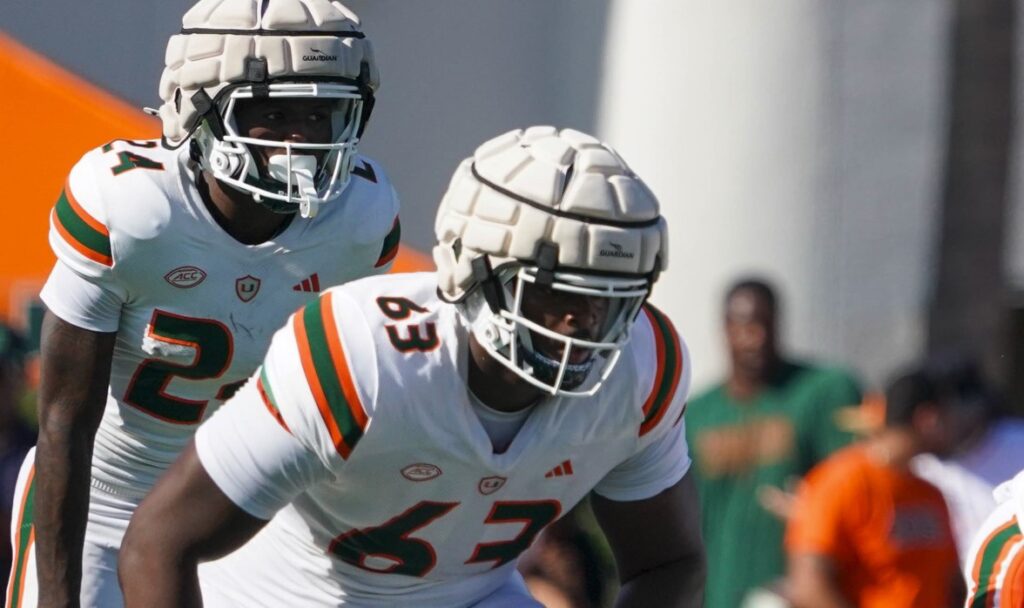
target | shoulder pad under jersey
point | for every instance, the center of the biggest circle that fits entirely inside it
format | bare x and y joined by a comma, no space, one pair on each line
663,367
115,193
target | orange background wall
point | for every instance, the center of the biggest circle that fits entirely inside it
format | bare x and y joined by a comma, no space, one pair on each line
51,117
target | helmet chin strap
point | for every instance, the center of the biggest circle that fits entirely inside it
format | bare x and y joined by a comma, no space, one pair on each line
297,169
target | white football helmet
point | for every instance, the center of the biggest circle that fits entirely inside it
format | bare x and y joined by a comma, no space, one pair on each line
560,210
232,50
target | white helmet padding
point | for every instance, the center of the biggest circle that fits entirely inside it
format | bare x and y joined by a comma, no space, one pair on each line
234,49
561,209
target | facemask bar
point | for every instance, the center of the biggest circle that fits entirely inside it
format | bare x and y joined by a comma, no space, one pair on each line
510,331
232,162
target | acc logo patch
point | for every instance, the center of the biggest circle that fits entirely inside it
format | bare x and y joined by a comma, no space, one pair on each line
185,276
490,485
421,471
247,287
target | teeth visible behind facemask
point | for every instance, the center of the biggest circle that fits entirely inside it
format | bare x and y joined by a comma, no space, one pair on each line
303,167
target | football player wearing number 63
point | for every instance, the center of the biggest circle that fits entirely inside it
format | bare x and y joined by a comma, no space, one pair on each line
408,436
179,258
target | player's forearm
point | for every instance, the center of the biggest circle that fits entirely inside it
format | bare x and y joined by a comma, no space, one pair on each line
184,520
157,562
60,511
74,374
677,584
154,576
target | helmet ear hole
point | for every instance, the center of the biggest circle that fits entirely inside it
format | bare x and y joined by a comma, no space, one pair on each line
224,163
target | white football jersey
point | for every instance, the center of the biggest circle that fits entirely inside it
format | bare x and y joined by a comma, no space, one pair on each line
194,309
385,485
994,569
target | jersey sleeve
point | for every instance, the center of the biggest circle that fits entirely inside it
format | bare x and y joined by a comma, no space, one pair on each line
253,458
661,457
82,288
994,570
79,224
320,379
89,304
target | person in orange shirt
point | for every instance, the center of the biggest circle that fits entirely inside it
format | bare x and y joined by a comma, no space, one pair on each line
995,571
865,531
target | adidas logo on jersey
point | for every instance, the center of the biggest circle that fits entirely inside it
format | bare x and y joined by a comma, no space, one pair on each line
561,470
310,284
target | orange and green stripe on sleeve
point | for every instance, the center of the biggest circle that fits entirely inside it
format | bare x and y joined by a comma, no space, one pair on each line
1012,591
263,386
390,248
998,555
23,542
81,231
328,375
670,367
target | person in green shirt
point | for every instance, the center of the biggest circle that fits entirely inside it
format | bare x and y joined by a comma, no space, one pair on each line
767,424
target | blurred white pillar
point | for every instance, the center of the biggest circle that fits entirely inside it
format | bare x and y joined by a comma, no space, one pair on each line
798,139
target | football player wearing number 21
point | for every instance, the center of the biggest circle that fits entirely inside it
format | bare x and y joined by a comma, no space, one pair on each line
408,436
178,258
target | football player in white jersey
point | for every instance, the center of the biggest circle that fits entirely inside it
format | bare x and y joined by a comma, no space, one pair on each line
994,570
179,258
408,436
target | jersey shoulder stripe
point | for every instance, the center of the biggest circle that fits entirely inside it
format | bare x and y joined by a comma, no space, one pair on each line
990,561
1012,591
328,375
670,367
267,395
390,248
80,230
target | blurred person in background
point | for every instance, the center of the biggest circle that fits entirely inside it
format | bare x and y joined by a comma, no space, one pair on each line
866,531
769,422
16,436
995,564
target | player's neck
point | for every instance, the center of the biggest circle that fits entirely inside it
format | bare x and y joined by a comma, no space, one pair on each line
495,385
745,384
244,219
